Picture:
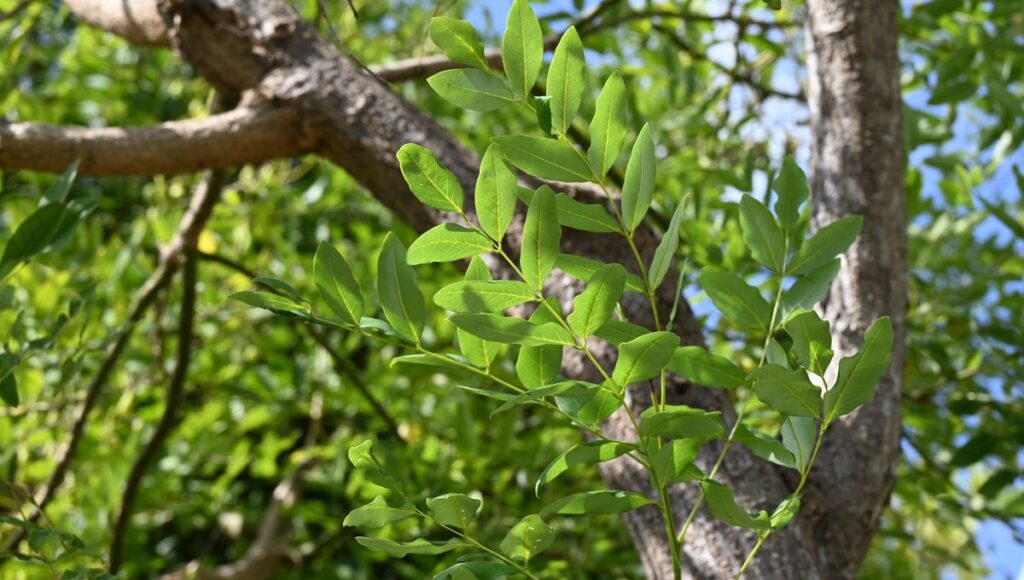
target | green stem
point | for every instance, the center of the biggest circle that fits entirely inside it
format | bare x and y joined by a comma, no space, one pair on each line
750,557
522,569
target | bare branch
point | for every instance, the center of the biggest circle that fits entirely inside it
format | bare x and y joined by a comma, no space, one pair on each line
230,139
198,213
137,21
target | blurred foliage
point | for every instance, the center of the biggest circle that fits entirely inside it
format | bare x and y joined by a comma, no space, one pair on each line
254,376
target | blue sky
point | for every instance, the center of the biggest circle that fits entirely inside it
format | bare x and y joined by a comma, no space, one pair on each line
1004,556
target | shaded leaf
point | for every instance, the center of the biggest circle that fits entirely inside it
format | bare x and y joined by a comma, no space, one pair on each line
417,546
723,506
400,295
582,454
541,238
787,391
472,89
644,357
337,284
736,299
829,242
458,40
860,373
761,233
680,422
594,306
545,158
483,295
529,537
453,509
510,330
601,502
701,367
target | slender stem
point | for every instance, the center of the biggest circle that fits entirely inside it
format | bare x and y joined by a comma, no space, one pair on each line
479,545
750,557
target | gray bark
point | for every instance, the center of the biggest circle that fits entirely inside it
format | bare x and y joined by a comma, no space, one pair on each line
263,50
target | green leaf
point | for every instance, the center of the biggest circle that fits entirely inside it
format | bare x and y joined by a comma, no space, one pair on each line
448,360
812,341
788,392
280,286
860,373
666,250
761,234
376,514
458,40
480,352
566,80
483,295
453,509
40,230
564,388
337,285
511,330
785,512
495,195
644,357
590,409
765,447
811,287
477,570
273,302
400,295
699,366
596,503
608,127
638,187
540,365
541,238
616,332
776,355
8,382
472,89
428,180
529,537
522,47
724,507
417,546
594,306
583,268
545,158
773,4
58,192
582,454
681,422
447,243
736,299
362,457
586,217
791,185
829,242
798,436
673,461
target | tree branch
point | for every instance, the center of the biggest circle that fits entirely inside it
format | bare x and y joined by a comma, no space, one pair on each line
199,212
137,21
229,139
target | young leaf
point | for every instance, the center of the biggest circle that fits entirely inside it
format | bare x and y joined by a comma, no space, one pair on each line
860,373
447,243
511,330
724,507
673,462
666,250
417,546
273,302
765,447
681,422
429,181
540,365
644,357
638,187
785,512
798,436
736,299
788,392
583,268
362,458
582,454
594,306
761,234
522,47
495,195
811,287
545,158
829,242
453,509
596,503
699,366
541,237
338,287
472,89
812,341
480,352
458,40
527,538
608,127
791,185
566,79
483,296
400,295
376,514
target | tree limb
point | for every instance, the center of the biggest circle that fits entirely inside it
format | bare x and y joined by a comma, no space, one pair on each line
137,21
233,138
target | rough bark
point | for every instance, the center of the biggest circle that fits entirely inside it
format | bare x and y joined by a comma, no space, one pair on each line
858,169
261,48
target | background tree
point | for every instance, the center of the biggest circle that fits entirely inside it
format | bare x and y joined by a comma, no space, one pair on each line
285,91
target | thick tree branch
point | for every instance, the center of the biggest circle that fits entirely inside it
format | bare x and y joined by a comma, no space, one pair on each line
137,21
233,138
